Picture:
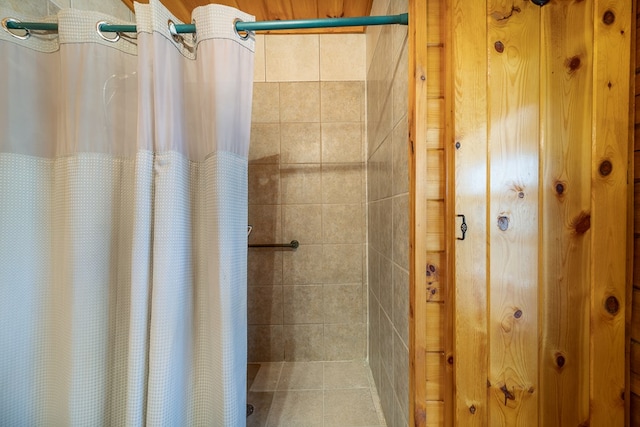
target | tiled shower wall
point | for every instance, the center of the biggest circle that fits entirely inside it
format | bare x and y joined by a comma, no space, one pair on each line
388,212
306,182
38,8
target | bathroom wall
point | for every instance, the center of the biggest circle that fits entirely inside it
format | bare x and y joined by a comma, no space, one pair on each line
306,182
388,212
37,8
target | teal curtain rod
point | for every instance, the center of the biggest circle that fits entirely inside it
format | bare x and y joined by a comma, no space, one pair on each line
294,24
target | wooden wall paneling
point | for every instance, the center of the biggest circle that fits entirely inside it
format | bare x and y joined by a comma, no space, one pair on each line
612,31
514,120
470,352
435,376
419,319
565,209
435,276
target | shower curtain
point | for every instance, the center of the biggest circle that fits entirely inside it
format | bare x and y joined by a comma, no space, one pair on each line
123,221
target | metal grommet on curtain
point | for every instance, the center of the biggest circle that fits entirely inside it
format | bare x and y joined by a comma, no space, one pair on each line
246,35
24,36
174,33
101,34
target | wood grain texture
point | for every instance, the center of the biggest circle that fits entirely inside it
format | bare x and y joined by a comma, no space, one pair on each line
565,208
419,320
470,352
513,93
612,31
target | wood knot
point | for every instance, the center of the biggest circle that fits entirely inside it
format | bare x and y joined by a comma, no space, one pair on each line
517,314
503,223
560,360
431,269
605,168
450,360
499,46
582,223
609,17
472,409
559,188
573,63
612,305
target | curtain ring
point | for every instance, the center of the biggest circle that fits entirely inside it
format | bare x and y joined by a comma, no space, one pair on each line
24,36
174,33
247,34
99,31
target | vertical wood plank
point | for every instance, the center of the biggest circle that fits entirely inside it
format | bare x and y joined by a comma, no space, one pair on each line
469,28
417,38
565,208
514,90
612,53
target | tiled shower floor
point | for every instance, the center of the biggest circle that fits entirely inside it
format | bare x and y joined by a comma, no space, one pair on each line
306,394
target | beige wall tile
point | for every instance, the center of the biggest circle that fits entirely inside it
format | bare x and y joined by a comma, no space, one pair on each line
342,101
342,142
400,89
267,377
385,227
387,396
385,168
56,5
303,266
264,184
374,336
344,341
264,267
303,304
265,143
342,57
303,342
300,102
400,166
343,183
386,346
401,231
302,376
266,103
259,66
292,58
264,305
345,263
378,7
301,183
401,373
386,287
302,223
401,303
114,8
35,8
342,223
373,277
265,343
266,221
300,143
399,32
343,303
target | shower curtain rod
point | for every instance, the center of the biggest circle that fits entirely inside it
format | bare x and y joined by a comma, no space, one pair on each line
402,19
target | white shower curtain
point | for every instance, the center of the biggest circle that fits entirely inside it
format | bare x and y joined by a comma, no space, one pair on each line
123,222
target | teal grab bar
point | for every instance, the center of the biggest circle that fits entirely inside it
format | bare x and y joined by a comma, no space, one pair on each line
402,19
